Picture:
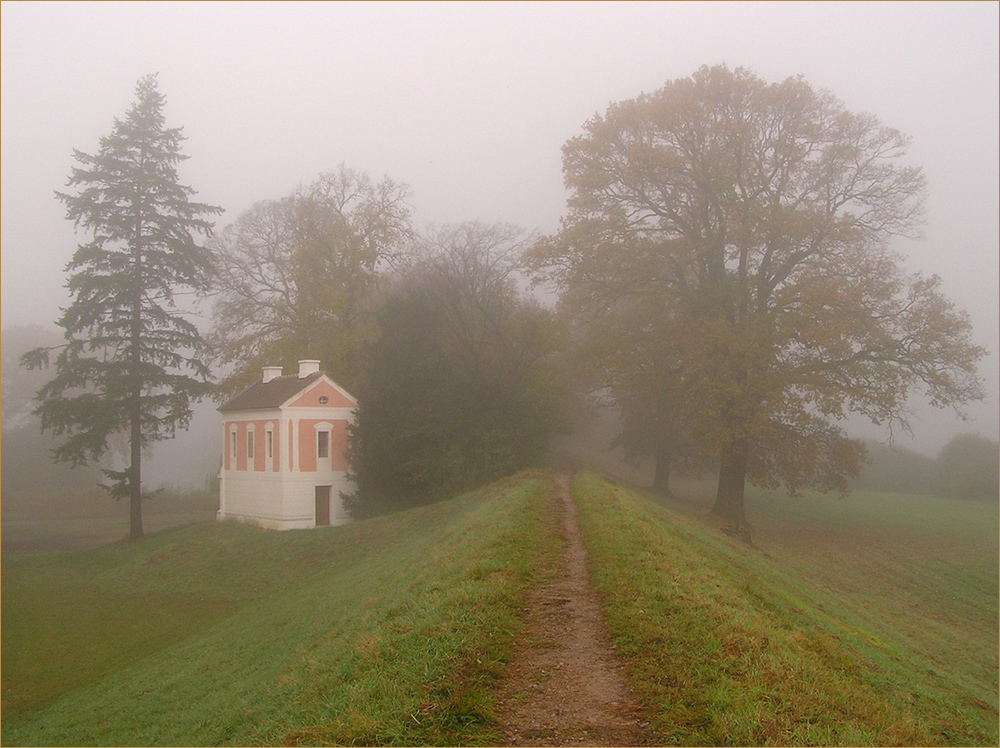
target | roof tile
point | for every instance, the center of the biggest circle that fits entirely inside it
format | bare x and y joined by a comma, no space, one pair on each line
271,394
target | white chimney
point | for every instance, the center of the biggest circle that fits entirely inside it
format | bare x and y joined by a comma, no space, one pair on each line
307,367
271,372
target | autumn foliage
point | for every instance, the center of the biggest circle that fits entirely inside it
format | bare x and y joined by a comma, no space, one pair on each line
752,222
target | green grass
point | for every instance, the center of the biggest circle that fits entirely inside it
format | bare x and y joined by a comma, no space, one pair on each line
389,631
871,620
41,535
844,625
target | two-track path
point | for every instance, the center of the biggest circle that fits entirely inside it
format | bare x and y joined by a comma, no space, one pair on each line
563,685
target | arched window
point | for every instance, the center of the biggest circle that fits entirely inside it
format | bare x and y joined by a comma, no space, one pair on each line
323,442
250,446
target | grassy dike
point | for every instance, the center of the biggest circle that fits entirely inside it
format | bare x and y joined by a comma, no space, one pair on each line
388,631
727,646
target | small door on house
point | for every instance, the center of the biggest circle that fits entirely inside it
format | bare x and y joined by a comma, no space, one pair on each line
322,505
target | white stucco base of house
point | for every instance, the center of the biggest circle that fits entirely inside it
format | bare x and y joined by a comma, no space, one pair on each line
283,502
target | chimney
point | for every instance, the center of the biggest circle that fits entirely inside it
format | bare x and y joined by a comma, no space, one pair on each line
271,372
307,367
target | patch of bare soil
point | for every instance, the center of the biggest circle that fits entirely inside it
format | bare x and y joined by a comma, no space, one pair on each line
563,685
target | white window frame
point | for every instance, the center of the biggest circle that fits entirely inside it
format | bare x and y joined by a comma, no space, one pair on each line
269,446
324,427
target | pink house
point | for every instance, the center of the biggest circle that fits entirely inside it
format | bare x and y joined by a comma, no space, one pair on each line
284,442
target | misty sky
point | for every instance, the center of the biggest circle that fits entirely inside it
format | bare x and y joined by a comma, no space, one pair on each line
470,103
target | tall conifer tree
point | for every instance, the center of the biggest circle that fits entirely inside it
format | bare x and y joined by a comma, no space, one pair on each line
132,360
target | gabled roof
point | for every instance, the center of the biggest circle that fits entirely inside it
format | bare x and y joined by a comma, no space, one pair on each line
273,394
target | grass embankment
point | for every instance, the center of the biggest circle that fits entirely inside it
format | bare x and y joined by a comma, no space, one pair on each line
389,631
843,626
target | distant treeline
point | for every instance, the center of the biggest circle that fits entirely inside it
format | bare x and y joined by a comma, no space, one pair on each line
968,467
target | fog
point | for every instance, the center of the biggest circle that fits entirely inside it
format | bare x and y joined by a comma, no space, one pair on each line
470,104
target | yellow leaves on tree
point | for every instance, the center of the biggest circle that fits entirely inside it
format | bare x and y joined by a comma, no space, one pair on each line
756,219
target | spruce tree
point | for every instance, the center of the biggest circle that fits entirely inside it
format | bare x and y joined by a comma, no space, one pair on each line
132,360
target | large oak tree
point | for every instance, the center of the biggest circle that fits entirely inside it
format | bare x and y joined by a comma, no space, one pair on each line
132,359
296,276
760,216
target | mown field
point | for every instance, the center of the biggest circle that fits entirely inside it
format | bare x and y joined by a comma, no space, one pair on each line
872,620
45,535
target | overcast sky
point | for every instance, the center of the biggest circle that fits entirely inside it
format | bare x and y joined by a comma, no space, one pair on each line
470,103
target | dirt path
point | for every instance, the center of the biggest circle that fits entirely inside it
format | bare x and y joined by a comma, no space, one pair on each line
563,686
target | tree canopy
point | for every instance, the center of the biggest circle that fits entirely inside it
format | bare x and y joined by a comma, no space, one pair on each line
754,222
461,385
968,467
131,361
296,276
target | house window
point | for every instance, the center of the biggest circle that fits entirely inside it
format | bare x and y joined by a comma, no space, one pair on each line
269,444
249,445
232,446
322,444
323,400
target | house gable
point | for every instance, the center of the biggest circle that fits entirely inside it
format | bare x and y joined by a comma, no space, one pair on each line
314,396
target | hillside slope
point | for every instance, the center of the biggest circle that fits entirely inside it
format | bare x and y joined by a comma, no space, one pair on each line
872,622
388,631
735,645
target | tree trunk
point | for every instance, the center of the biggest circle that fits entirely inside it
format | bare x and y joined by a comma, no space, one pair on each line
661,474
135,406
730,494
135,479
135,442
